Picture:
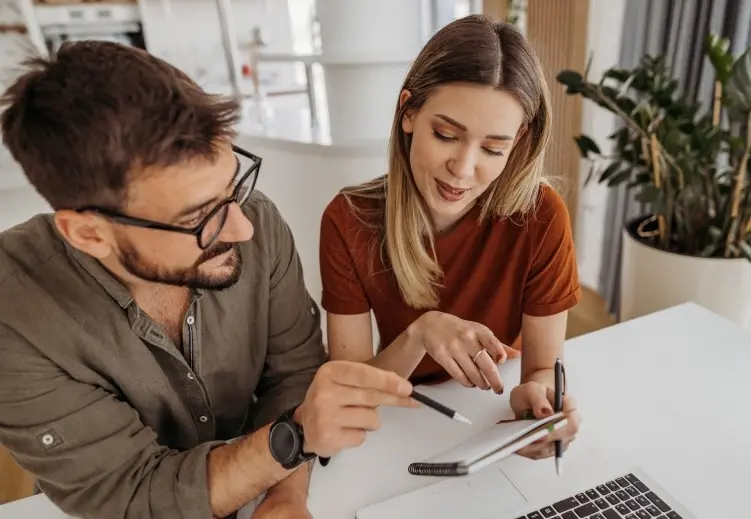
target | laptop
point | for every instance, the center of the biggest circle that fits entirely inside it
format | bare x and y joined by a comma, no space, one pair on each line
491,494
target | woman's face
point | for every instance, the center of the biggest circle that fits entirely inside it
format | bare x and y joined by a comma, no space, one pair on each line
461,139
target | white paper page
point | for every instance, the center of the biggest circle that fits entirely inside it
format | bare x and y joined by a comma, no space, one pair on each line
490,440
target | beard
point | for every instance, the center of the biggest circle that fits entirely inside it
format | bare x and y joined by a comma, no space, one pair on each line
191,277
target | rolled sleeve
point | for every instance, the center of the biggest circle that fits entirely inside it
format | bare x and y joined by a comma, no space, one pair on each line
90,453
552,285
295,342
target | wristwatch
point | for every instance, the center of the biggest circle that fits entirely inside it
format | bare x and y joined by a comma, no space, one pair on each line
286,441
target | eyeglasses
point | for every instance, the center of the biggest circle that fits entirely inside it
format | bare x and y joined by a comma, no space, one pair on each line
207,231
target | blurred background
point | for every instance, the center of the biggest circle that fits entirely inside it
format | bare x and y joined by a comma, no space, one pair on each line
319,81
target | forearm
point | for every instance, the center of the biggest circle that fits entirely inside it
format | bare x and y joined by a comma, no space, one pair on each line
402,356
241,471
294,487
545,376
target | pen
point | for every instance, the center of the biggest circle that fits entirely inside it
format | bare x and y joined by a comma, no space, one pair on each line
430,403
558,408
439,407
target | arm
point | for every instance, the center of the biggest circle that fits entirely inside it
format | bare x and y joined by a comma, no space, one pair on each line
93,457
349,326
543,339
551,289
350,337
295,344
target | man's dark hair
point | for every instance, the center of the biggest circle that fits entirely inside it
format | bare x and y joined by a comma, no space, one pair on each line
83,121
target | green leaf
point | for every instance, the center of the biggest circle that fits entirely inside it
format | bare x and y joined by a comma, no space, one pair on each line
609,171
738,87
716,49
715,233
590,174
586,145
708,251
570,78
745,250
649,194
619,177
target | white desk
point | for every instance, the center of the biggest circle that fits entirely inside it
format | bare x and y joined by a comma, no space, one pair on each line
658,388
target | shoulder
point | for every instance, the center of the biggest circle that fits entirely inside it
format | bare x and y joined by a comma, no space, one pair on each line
27,247
549,207
351,214
261,210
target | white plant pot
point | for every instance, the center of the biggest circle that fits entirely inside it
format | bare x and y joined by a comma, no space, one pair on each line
652,280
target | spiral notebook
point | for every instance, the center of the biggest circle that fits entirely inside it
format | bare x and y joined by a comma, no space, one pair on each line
483,449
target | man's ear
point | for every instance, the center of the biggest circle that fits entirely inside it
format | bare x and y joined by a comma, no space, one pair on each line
408,124
86,232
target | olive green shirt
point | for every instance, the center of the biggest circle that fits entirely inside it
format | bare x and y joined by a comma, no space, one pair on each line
99,404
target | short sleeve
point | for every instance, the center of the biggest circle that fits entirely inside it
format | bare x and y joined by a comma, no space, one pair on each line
343,290
552,284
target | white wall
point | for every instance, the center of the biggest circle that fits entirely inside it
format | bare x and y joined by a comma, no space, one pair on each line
302,183
604,40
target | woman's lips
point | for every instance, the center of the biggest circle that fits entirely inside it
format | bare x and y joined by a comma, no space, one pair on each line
450,193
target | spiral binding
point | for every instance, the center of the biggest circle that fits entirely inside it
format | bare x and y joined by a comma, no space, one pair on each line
437,469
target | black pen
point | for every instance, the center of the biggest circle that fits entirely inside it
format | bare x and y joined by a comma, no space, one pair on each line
439,407
558,408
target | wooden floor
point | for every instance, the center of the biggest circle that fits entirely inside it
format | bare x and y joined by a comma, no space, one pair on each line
589,315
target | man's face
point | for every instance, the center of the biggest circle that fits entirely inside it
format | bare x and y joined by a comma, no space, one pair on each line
183,196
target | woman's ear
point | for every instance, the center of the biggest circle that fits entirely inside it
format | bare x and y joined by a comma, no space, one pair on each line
409,115
403,96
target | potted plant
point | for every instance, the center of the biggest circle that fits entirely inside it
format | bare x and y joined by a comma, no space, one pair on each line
689,165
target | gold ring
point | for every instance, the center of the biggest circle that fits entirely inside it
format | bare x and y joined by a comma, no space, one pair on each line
477,355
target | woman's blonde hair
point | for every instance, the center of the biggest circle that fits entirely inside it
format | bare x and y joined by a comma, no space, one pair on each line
474,49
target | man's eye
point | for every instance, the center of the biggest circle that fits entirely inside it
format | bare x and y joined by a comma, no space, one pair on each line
193,221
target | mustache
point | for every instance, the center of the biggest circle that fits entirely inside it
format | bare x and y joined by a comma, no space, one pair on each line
218,250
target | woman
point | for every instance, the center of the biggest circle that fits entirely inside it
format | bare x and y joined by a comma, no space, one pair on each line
462,247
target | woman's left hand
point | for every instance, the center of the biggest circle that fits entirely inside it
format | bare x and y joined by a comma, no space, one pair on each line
533,396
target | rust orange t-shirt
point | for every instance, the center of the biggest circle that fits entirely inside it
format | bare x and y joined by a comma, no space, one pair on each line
493,271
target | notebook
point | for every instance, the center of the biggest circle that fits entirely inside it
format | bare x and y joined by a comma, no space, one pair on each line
485,448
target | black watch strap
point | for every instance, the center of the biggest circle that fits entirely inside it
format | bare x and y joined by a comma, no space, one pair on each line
286,441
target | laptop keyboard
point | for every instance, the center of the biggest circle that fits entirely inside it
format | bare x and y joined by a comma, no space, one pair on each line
623,498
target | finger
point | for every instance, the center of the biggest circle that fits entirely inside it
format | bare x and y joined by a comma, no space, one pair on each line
490,372
511,353
456,372
351,437
371,398
364,418
470,369
492,345
359,374
540,400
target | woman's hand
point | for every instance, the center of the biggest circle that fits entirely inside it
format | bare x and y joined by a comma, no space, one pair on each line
467,350
533,396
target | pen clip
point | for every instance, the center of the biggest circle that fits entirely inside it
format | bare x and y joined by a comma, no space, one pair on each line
563,382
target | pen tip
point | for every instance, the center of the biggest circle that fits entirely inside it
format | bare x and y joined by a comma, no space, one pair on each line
462,419
558,466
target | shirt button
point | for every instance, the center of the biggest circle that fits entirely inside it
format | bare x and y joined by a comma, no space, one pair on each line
47,439
203,418
191,319
190,376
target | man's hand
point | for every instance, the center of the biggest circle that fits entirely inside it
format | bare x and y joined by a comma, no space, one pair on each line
535,397
277,507
342,401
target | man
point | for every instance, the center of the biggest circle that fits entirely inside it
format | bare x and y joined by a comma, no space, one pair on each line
153,355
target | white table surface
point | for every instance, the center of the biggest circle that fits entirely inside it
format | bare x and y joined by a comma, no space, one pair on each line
668,393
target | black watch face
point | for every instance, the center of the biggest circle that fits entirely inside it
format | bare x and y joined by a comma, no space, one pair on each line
283,442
